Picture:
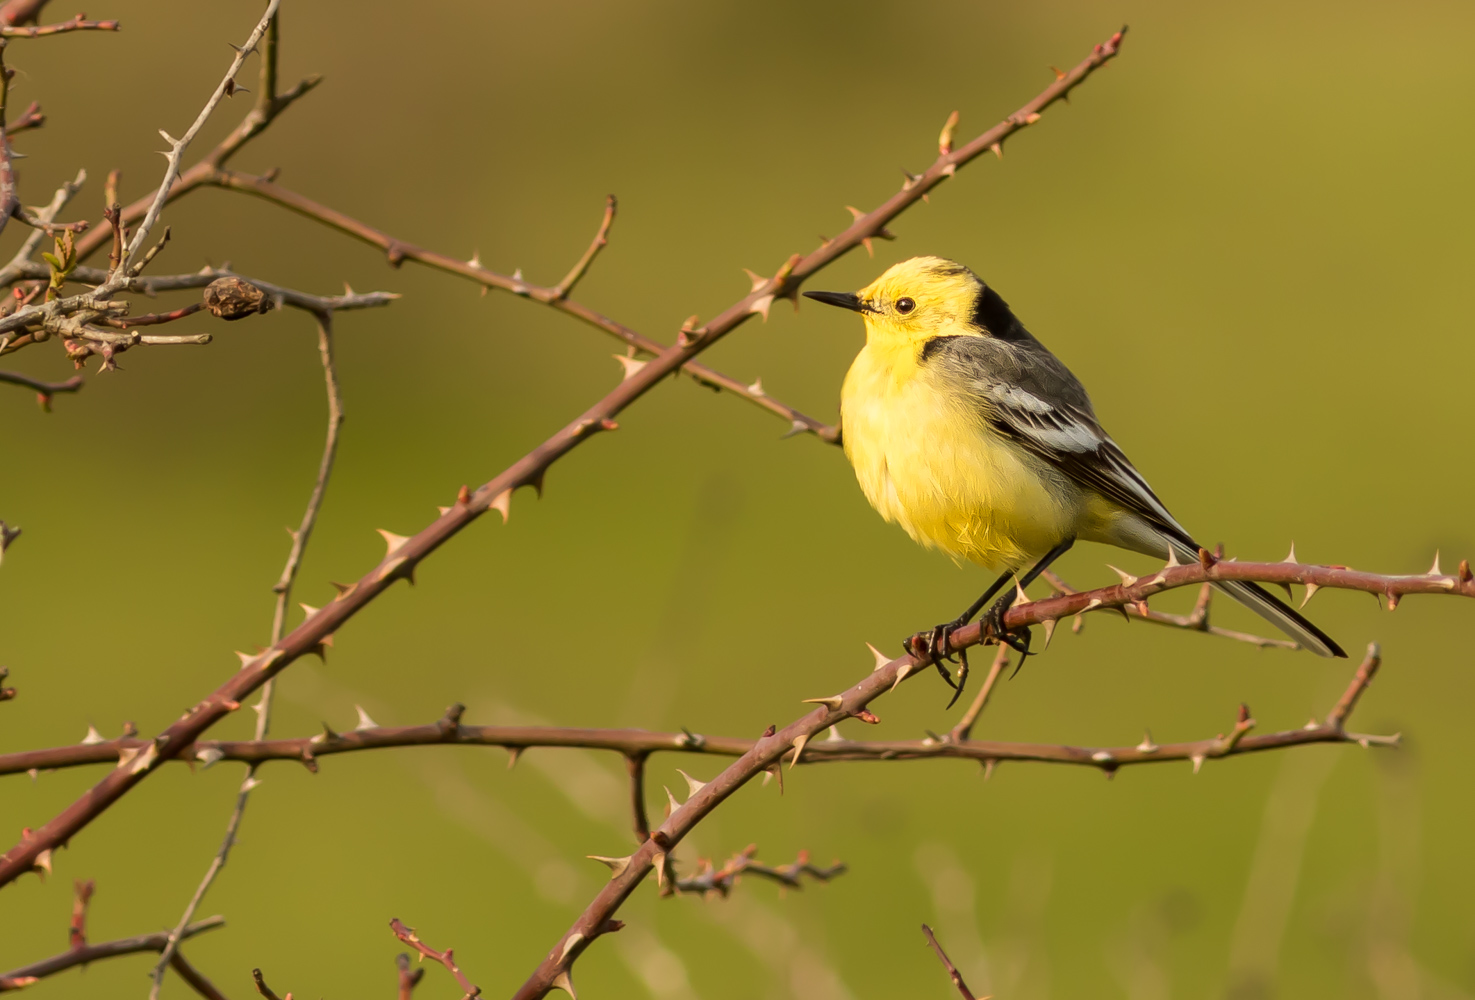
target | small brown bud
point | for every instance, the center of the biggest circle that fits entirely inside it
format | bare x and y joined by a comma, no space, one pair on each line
232,298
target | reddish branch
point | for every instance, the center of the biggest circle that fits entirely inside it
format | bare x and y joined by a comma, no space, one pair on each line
794,742
20,11
408,936
30,118
556,296
409,977
77,932
43,388
269,104
1196,620
194,978
154,319
78,23
638,744
947,963
721,880
404,554
27,974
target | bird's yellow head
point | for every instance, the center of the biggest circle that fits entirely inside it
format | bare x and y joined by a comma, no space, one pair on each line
922,298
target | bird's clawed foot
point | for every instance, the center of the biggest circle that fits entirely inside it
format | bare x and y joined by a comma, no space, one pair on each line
993,621
935,647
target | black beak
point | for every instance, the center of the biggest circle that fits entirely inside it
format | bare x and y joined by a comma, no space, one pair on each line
845,300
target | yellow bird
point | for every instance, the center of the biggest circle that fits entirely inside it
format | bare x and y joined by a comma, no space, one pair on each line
966,431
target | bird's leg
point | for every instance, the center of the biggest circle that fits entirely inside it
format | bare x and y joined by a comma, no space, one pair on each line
994,619
933,646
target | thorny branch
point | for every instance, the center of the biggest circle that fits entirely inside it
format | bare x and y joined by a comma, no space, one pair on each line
84,320
269,104
554,296
78,23
721,880
210,171
409,937
1195,621
404,554
116,312
178,146
947,963
794,742
136,758
640,744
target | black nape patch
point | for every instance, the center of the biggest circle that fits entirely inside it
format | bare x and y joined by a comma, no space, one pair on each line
934,345
992,314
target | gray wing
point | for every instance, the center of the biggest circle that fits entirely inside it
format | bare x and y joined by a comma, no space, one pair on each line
1025,393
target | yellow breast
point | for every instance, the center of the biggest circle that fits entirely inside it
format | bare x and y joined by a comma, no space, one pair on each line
927,460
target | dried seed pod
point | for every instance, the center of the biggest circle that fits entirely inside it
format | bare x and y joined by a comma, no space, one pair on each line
232,298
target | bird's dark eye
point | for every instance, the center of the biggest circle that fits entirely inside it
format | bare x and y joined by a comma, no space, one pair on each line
905,305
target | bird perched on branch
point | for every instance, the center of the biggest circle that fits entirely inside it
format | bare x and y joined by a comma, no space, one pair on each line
966,431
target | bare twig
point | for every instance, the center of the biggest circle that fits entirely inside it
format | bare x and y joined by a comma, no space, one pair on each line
601,240
178,146
1196,621
721,880
46,226
638,744
154,319
283,590
264,989
55,317
44,388
194,978
64,194
269,104
78,23
947,963
408,936
795,741
397,251
32,117
9,197
409,977
77,932
635,766
27,974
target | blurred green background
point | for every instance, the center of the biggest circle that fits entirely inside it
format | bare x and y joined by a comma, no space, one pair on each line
1249,236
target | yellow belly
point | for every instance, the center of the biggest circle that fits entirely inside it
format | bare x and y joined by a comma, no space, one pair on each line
926,461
